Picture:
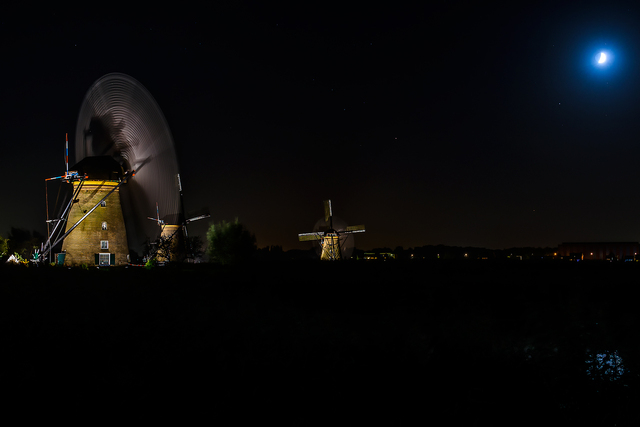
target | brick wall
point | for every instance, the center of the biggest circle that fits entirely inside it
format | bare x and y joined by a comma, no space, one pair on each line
83,243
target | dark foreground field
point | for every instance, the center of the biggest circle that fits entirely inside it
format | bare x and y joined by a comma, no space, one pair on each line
311,343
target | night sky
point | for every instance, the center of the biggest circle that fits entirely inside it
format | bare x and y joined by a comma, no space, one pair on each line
464,124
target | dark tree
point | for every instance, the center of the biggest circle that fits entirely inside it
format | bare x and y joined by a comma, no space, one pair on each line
4,246
230,243
194,248
23,242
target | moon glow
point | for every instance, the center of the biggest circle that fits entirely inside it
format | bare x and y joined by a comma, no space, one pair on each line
603,58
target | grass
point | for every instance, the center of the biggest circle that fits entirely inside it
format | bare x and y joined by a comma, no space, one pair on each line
307,343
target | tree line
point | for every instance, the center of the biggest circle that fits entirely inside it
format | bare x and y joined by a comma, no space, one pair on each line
231,243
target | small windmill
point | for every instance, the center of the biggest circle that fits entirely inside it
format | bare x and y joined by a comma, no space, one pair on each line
169,230
332,239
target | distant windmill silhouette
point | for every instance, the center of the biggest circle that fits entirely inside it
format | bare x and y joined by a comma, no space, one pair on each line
335,239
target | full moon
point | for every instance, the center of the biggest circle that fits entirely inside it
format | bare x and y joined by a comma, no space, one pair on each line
603,58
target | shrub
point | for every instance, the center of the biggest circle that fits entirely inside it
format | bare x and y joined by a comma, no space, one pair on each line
230,243
150,263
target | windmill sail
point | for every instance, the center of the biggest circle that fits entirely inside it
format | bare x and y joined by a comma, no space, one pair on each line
327,213
121,119
304,237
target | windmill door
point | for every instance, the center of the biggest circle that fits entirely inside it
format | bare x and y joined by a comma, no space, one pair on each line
103,259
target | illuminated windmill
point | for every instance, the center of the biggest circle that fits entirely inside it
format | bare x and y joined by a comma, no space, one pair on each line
121,132
169,235
95,180
100,235
335,239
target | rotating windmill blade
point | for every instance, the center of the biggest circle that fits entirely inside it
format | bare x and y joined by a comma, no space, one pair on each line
119,118
334,238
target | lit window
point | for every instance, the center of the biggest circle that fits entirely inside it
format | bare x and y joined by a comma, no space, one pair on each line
103,203
104,244
104,225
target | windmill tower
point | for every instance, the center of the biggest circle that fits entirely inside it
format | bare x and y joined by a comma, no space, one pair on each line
173,233
100,238
169,240
121,132
332,238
